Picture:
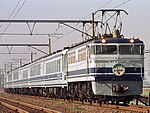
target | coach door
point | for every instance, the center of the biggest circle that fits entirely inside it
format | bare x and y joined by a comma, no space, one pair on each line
64,65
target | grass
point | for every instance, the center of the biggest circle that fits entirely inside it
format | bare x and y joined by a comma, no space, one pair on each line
57,102
67,106
79,109
146,92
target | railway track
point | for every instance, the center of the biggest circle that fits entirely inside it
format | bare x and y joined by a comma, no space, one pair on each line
67,106
132,108
21,107
10,109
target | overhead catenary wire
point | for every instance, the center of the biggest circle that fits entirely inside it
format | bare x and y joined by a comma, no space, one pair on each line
12,11
99,8
14,16
32,34
78,23
124,2
58,27
61,26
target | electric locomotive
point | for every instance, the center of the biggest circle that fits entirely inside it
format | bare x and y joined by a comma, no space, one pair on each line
112,69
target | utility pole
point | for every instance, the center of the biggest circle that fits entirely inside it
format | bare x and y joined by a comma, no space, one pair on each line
31,57
93,29
5,67
1,78
50,46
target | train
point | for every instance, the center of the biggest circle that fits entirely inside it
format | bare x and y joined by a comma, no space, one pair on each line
105,69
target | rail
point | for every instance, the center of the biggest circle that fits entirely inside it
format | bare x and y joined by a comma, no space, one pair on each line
11,108
22,107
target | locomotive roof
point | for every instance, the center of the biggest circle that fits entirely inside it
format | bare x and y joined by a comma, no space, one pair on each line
108,40
117,40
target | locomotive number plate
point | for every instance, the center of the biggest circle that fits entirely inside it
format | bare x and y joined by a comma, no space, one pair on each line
118,69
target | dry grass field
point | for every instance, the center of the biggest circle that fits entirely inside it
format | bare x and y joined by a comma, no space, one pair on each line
146,92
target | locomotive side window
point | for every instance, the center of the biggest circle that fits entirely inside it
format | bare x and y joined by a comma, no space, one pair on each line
72,57
130,49
103,49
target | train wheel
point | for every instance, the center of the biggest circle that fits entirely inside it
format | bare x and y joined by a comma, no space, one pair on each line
113,102
100,102
125,102
40,92
117,102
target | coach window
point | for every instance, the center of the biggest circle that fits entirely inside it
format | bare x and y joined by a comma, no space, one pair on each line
9,77
15,76
52,67
25,74
81,54
58,65
5,79
35,70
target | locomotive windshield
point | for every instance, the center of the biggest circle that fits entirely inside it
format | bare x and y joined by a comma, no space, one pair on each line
103,49
131,49
114,49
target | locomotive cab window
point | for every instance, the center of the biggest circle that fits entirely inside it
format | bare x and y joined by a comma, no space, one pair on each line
131,49
103,49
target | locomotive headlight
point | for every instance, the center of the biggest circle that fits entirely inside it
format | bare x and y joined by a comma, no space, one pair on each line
103,41
131,40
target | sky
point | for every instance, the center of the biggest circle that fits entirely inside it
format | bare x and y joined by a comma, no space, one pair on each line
136,24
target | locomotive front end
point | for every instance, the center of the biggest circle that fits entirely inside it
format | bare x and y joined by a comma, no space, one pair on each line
118,68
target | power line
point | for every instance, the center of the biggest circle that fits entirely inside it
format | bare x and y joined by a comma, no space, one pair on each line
33,34
14,16
124,2
99,8
77,24
13,11
20,8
